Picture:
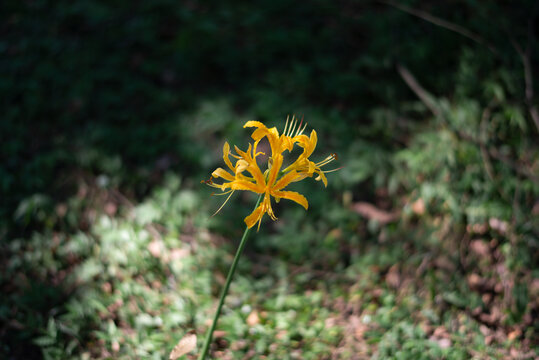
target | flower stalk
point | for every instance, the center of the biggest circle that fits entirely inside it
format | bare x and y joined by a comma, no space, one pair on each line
246,175
224,292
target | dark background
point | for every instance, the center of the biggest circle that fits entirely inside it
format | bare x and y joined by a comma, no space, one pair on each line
118,108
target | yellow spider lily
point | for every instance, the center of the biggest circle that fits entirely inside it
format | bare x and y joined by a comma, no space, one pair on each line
286,141
273,180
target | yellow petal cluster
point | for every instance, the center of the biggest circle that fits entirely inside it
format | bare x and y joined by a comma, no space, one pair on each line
245,174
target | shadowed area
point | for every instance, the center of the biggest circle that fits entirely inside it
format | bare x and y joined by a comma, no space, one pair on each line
424,245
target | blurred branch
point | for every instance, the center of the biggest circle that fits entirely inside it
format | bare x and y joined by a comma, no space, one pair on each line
371,212
528,77
422,94
442,23
484,153
429,102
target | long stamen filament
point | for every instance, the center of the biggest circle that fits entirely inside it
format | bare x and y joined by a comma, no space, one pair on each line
328,171
217,186
228,198
302,130
299,127
221,194
289,126
293,127
327,160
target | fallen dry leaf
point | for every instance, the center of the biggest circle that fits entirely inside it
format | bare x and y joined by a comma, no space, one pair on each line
475,281
498,225
514,334
371,212
535,209
440,332
253,318
111,208
441,336
185,345
445,263
418,207
393,277
176,254
480,248
61,210
444,343
477,228
155,248
534,287
217,334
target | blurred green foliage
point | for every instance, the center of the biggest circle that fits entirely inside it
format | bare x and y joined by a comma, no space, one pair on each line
114,112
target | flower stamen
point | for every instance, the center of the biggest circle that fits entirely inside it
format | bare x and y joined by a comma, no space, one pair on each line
326,160
228,198
332,170
292,126
302,130
207,182
221,194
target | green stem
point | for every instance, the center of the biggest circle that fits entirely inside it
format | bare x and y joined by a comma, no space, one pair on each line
209,334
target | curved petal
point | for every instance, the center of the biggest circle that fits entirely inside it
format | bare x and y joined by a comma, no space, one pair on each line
267,206
254,123
246,185
240,176
274,140
253,168
243,154
226,153
287,143
261,131
308,143
285,180
255,216
312,167
314,138
241,165
322,177
294,196
303,140
275,168
222,173
301,176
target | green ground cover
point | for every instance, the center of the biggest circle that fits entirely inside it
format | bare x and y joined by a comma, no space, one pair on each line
424,246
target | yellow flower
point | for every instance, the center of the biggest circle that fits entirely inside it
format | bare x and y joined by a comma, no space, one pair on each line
272,182
286,141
